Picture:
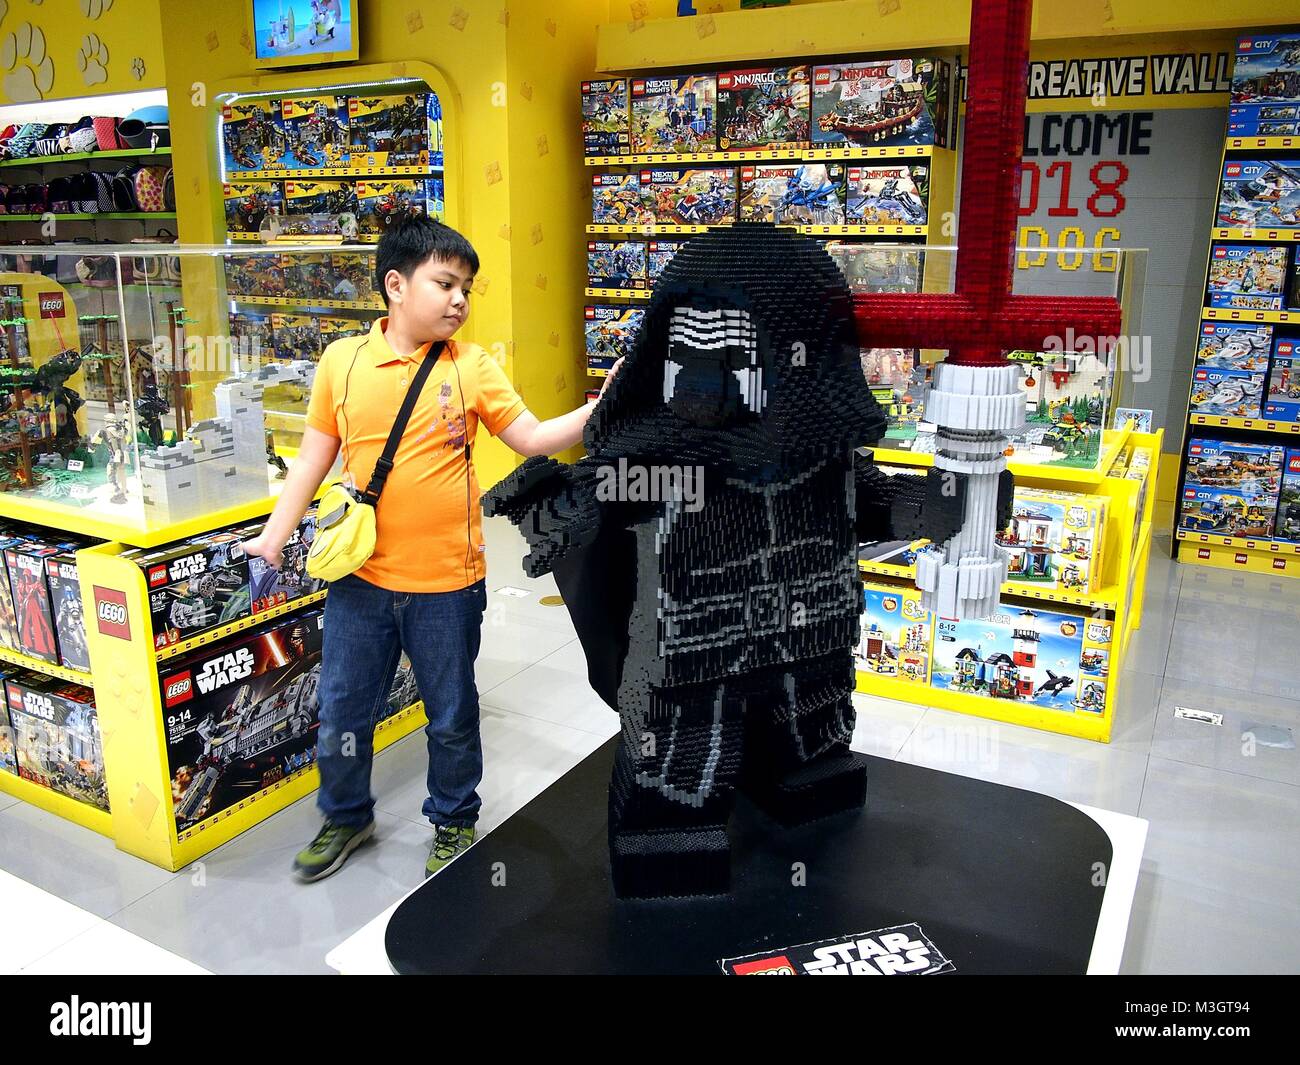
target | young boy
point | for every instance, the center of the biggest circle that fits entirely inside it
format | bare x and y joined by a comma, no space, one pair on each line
422,591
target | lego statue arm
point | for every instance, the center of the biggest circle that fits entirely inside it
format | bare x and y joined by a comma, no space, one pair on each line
553,504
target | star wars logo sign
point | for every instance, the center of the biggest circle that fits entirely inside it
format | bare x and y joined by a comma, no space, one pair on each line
38,705
180,569
51,305
110,613
903,950
225,669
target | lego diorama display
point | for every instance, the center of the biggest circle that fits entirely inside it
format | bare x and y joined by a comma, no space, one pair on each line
675,114
1259,194
880,103
887,195
1248,277
792,193
1282,399
697,197
763,107
899,382
606,117
1231,488
1265,93
1054,539
55,735
616,264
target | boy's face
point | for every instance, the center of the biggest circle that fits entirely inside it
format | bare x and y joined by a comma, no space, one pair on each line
434,301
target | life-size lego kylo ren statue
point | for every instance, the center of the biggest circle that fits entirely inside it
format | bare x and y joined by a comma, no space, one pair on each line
721,622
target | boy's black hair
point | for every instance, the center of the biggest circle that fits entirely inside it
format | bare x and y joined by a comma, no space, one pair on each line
412,241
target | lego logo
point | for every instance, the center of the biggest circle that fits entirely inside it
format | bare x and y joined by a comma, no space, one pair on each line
777,966
111,613
1234,169
157,576
1189,493
1220,253
178,689
822,77
114,613
645,175
1202,552
1279,563
591,245
638,87
589,313
586,86
724,81
1285,347
288,188
50,304
1240,558
1196,449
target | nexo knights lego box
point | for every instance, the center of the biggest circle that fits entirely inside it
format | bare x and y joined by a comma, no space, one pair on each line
1054,539
69,622
616,200
1260,194
1247,276
880,103
255,275
56,736
247,203
896,633
1251,469
674,114
1226,511
380,203
268,587
195,586
703,197
315,131
887,195
401,130
1234,347
251,136
1288,505
659,253
1265,94
297,336
792,193
353,275
241,716
1227,393
1282,400
763,107
33,611
609,333
616,264
606,118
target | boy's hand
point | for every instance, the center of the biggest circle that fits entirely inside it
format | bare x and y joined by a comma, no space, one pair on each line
609,377
264,549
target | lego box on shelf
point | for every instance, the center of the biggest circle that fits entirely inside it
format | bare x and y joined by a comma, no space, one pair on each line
792,193
659,253
1265,93
241,716
69,621
269,587
56,736
399,130
701,197
606,117
879,268
33,609
353,275
252,336
306,196
887,195
1252,469
674,114
1227,393
379,203
609,331
297,336
309,276
315,131
247,203
194,586
8,618
880,103
8,753
1247,276
896,634
616,200
763,107
251,136
1288,505
255,275
1225,346
616,264
1054,539
1226,511
1260,194
332,329
1282,400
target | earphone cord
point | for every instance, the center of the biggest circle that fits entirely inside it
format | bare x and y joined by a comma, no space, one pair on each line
343,407
469,535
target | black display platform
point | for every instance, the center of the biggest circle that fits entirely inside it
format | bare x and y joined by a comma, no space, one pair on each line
999,879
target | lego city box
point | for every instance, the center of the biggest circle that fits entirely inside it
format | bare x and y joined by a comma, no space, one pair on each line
896,195
674,114
880,103
609,332
1282,398
1252,469
251,135
896,633
397,130
606,117
69,622
616,264
1287,525
1247,276
1227,393
57,741
195,586
764,107
315,131
1232,346
381,202
33,609
247,203
1226,511
1259,194
241,716
1264,99
1054,539
297,336
704,196
792,193
616,200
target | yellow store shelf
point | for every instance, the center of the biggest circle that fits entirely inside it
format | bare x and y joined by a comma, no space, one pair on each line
619,293
1217,422
39,665
332,172
288,301
1106,597
1235,144
1233,314
650,228
1259,545
665,229
761,155
64,806
1282,563
184,647
1273,235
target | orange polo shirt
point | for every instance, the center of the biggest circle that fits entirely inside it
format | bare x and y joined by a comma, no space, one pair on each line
428,522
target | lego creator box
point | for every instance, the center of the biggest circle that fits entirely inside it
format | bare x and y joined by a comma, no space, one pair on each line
1287,526
56,737
616,264
880,103
1054,539
402,130
792,193
1227,393
353,275
247,203
1247,276
887,195
33,611
703,197
1282,398
1226,511
763,107
659,253
606,118
616,200
251,136
674,114
297,336
1260,194
1252,469
195,586
305,196
256,275
1234,347
315,131
896,634
379,203
1017,654
1265,94
609,333
241,716
69,622
268,587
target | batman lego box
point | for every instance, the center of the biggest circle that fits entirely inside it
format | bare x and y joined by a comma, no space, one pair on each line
397,130
251,135
380,203
256,275
315,131
303,196
353,275
195,586
247,203
57,741
297,336
310,276
241,716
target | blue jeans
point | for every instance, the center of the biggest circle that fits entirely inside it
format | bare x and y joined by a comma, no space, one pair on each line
366,629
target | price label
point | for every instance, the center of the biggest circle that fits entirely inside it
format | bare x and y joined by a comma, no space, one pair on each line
76,465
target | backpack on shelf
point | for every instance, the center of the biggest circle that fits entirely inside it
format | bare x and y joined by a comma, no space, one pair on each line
61,189
122,189
50,142
150,182
106,134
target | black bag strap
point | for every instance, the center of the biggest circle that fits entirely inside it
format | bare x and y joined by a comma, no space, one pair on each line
385,461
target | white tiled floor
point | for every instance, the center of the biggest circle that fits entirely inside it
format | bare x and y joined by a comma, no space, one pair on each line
1220,879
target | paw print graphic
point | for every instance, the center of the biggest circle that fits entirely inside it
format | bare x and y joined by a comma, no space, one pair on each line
29,72
92,60
137,68
92,9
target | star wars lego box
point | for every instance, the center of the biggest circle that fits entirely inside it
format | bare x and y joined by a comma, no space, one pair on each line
8,751
56,736
1265,93
897,632
403,692
763,107
609,331
616,200
247,203
1228,393
1287,525
1282,399
1247,276
1260,194
880,103
8,620
616,264
1224,346
400,130
381,202
659,253
195,586
1054,539
69,622
297,336
241,716
270,588
792,193
251,136
606,118
256,275
1252,469
690,197
315,131
33,611
674,114
887,195
353,275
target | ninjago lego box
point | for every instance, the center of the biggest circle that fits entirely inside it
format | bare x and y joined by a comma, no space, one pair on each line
1287,526
881,103
616,200
315,131
1227,393
674,114
606,117
763,107
1282,398
241,716
792,193
247,203
616,264
609,331
1264,99
251,136
270,588
688,196
897,632
33,610
69,620
398,130
1260,194
57,741
195,586
897,195
1054,539
1228,346
1248,277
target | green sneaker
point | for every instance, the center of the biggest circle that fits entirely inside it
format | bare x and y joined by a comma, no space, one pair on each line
449,842
329,850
